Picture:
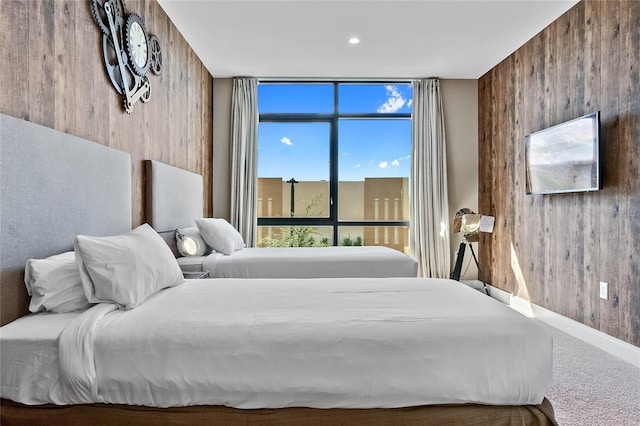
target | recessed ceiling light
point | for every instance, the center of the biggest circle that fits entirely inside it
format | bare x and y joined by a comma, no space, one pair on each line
354,40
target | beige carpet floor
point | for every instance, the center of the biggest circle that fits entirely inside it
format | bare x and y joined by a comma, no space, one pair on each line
592,387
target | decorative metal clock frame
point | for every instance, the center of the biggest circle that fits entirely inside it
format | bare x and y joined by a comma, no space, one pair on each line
128,51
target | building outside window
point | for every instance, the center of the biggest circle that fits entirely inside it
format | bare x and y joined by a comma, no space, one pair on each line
334,163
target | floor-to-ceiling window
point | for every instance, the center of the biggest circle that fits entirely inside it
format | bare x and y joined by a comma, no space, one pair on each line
334,162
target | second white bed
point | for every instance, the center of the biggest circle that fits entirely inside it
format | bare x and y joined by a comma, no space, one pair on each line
305,262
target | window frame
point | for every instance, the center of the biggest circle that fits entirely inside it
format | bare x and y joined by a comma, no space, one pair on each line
333,120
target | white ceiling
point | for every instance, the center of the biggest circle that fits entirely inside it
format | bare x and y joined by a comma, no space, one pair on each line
399,39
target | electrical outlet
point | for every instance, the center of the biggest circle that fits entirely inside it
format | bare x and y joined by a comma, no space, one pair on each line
604,290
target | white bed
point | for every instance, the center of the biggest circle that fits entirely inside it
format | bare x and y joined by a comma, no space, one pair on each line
174,200
304,262
323,343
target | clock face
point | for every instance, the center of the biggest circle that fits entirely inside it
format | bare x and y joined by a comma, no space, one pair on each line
137,45
138,41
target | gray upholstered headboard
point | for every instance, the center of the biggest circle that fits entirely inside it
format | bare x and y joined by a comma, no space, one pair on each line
54,186
174,198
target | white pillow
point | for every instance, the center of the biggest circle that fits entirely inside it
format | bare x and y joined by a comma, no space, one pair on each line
54,284
190,242
126,269
220,235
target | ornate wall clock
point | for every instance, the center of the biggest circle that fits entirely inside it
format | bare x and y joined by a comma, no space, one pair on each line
128,51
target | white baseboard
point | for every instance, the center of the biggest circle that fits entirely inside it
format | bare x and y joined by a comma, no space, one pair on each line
609,344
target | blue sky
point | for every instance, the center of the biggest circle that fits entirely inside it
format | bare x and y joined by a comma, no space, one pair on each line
367,148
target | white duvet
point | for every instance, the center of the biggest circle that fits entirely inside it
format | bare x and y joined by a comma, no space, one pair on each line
325,343
308,262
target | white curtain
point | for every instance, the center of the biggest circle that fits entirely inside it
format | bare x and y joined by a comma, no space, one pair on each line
244,157
429,232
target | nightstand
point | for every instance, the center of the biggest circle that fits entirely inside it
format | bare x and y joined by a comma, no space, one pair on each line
195,275
192,268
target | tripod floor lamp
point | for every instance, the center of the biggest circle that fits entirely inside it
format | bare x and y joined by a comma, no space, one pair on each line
470,225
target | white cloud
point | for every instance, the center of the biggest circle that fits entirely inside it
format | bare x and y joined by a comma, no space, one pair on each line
393,163
394,102
357,166
286,141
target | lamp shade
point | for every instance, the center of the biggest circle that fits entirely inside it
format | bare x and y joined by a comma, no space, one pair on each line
471,224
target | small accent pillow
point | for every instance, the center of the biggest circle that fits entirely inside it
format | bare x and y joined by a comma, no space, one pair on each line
126,269
54,284
220,235
190,242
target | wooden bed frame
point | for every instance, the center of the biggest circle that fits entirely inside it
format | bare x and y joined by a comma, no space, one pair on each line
13,414
56,186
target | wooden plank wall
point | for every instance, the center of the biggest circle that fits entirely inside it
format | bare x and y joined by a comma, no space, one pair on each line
555,249
53,74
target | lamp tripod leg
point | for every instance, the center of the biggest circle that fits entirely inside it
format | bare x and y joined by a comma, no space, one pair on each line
473,253
457,270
